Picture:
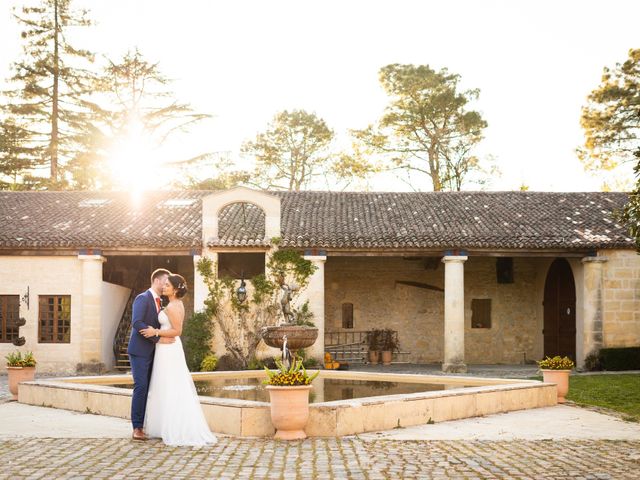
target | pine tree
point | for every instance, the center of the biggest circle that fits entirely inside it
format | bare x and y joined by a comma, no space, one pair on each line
51,86
611,118
14,156
631,212
428,127
137,106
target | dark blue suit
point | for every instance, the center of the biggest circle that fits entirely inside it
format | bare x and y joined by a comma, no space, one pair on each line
141,351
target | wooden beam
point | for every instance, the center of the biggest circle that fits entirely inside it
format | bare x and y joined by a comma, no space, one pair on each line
470,253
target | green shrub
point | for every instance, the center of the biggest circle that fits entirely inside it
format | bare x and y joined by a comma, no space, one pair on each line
255,364
593,362
304,315
209,363
617,359
306,362
556,363
197,334
310,363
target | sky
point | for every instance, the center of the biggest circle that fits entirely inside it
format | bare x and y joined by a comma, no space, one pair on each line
534,62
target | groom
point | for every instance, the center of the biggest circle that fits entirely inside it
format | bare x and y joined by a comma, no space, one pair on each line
141,350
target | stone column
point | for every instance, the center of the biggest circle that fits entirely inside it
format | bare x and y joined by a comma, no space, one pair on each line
592,307
200,290
454,314
91,321
314,293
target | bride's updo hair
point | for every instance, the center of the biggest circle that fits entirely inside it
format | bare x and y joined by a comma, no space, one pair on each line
179,283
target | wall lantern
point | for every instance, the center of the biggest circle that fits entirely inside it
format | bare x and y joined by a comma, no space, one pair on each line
242,291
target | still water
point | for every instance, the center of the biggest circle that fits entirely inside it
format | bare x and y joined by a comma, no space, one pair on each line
325,389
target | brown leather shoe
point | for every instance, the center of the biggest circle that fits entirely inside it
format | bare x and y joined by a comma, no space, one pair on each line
138,434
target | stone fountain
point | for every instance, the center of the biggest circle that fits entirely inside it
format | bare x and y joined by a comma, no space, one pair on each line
288,335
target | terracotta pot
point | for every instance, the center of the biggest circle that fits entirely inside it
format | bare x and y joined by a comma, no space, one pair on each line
17,375
374,356
560,378
289,411
387,355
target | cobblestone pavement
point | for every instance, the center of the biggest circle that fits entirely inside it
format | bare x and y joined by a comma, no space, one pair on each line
4,388
319,459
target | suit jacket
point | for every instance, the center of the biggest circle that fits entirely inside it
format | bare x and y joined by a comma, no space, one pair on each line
145,314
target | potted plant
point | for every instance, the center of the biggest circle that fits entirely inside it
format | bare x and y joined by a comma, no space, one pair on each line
289,394
389,344
556,370
20,369
373,339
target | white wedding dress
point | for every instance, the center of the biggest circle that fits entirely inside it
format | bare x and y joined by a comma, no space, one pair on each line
173,409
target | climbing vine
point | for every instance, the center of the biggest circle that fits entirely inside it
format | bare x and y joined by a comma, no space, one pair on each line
240,322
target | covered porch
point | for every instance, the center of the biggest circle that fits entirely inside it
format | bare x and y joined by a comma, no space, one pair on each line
133,271
460,308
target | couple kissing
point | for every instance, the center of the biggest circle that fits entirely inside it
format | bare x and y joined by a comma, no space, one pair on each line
165,402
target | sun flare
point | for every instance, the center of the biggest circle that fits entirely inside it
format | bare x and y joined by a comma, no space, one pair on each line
133,164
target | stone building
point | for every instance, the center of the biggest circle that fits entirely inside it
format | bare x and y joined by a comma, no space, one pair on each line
463,277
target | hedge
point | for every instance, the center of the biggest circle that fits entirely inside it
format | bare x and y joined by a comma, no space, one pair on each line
616,359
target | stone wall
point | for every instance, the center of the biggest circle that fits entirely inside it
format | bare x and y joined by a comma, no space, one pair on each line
515,335
417,314
621,271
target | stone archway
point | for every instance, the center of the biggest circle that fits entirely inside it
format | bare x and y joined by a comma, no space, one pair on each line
213,204
559,329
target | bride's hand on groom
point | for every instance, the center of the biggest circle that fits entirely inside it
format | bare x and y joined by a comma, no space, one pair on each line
148,332
151,332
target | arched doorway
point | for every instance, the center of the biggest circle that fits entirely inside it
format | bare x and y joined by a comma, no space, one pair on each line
560,311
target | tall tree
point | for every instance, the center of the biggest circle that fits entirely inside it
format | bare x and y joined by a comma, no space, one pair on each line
51,84
295,153
14,155
611,122
427,127
291,152
137,106
216,173
631,211
611,118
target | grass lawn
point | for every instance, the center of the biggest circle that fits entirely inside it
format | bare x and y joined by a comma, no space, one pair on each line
619,392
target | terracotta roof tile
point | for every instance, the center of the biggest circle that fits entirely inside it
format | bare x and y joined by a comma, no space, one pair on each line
332,220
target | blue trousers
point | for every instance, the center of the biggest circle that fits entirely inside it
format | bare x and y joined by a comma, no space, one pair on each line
141,368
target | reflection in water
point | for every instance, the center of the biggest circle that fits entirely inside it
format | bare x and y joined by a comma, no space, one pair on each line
324,389
346,393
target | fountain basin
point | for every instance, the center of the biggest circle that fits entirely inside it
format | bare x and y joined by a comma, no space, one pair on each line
459,397
297,336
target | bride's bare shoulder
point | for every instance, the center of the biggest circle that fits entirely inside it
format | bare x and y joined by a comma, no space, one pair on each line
175,306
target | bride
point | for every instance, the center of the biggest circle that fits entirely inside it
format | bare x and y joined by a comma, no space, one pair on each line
173,409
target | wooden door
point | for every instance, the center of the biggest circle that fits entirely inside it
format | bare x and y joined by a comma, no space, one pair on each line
560,311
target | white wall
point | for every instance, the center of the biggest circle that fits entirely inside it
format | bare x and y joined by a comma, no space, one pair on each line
114,301
55,275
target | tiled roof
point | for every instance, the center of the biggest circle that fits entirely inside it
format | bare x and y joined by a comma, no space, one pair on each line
100,219
329,220
241,225
454,220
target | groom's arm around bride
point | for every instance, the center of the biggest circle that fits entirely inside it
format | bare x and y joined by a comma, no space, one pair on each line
141,350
